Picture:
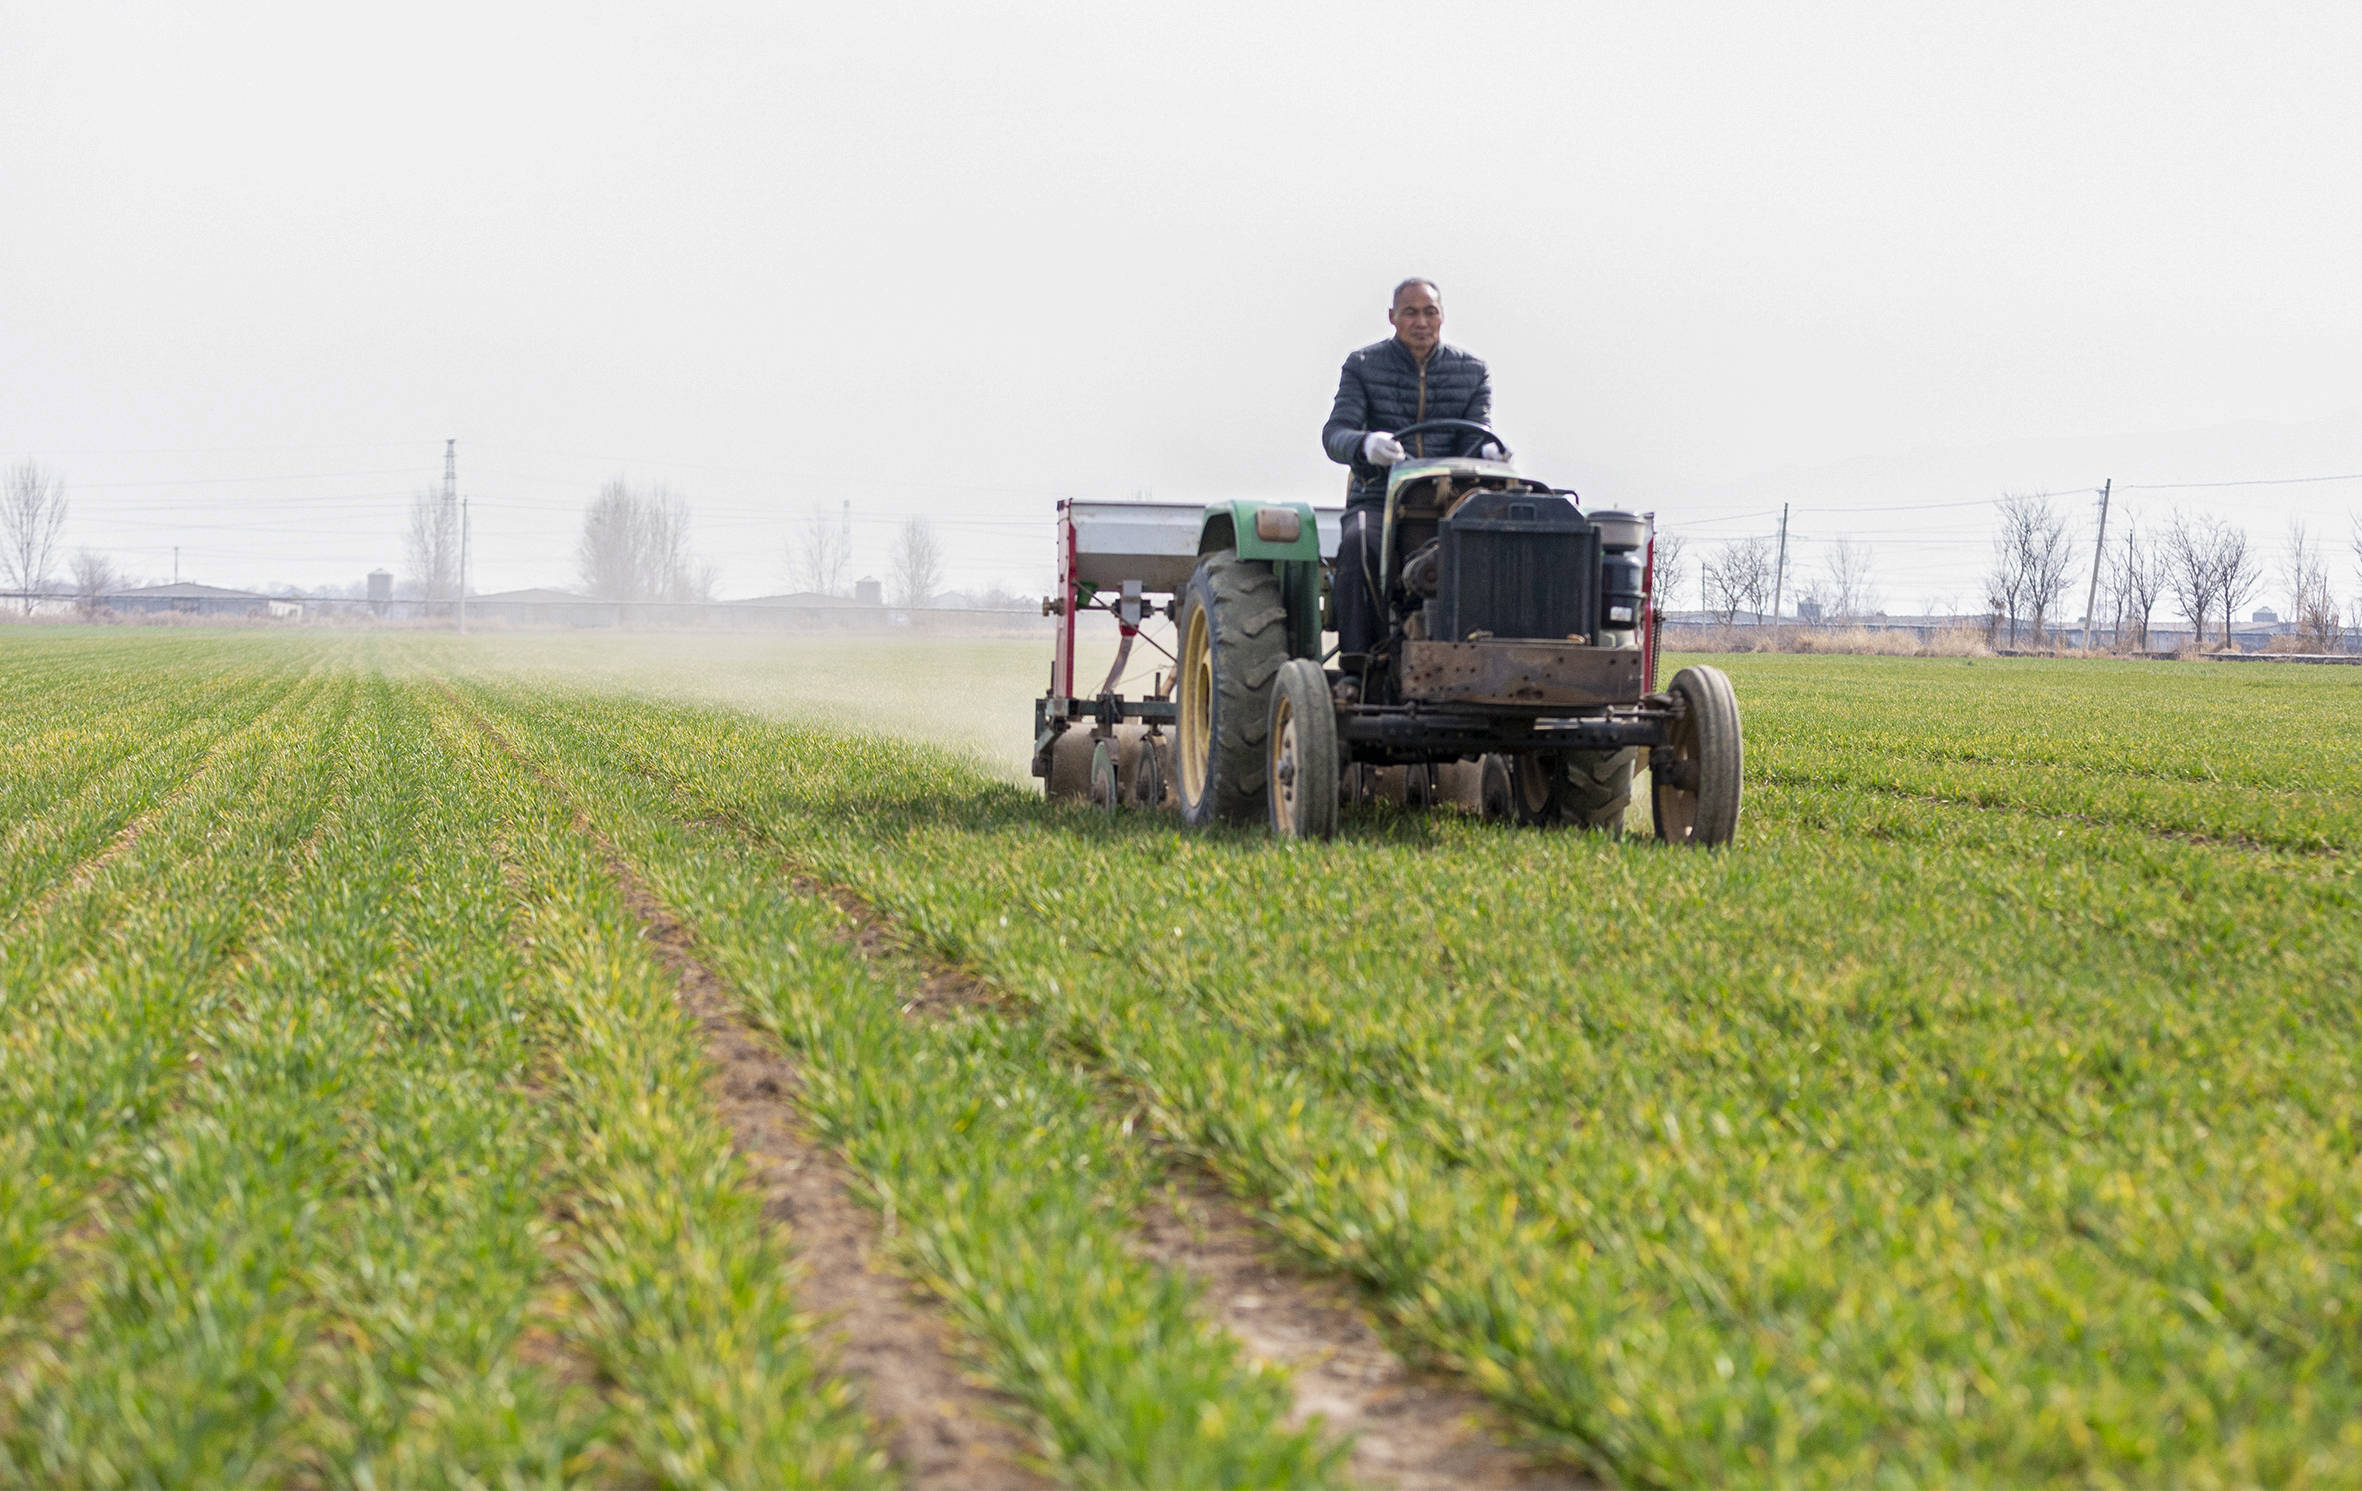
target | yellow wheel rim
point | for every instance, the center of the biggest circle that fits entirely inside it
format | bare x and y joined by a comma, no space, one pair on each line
1197,707
1283,766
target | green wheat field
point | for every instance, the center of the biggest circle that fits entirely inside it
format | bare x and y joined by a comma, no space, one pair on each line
1987,1116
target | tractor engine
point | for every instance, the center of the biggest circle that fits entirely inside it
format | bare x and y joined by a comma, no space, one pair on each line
1527,565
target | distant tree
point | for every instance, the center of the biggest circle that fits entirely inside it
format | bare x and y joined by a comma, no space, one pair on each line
2033,547
918,564
1672,550
2238,574
820,553
32,513
1738,578
2312,608
94,581
2007,583
2137,576
999,597
635,547
2192,549
432,545
1848,592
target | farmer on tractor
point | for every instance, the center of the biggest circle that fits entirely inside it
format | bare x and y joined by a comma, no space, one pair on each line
1410,377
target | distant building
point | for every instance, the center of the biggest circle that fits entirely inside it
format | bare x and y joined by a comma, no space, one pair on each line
809,600
868,592
541,606
187,598
2265,616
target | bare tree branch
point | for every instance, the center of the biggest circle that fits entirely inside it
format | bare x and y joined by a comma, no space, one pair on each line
32,513
1739,578
94,581
635,547
2238,574
1850,594
2138,578
432,545
2009,585
1671,551
820,553
918,564
2041,556
1671,558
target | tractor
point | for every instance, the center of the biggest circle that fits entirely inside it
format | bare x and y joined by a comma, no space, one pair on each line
1518,646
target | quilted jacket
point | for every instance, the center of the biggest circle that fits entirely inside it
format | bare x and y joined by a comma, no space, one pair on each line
1383,387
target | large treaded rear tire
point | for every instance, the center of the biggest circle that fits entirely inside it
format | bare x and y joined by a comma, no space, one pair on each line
1595,789
1234,636
1553,789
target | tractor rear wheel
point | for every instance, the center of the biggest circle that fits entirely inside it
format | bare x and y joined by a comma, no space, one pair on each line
1595,787
1696,778
1547,789
1234,636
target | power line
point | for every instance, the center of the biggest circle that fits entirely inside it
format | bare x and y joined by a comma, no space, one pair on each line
2257,481
228,481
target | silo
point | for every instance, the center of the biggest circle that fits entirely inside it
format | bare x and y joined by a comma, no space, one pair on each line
381,591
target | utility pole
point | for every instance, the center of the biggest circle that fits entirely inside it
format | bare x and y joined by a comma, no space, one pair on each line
2099,551
176,564
1780,571
463,525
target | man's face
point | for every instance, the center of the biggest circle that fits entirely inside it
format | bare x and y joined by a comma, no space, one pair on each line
1418,319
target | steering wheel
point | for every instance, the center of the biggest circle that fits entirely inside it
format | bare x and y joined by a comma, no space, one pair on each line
1425,425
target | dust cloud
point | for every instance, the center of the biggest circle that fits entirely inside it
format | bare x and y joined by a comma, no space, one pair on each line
972,694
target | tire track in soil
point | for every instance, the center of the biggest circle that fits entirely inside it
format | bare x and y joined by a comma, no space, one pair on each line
1413,1430
942,1430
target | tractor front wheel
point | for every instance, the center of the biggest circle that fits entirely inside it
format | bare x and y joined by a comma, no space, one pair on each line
1234,636
1696,778
1303,753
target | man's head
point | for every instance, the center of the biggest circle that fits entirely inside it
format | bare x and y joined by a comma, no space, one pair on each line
1417,316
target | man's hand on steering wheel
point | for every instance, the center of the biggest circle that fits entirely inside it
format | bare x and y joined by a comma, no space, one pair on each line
1380,448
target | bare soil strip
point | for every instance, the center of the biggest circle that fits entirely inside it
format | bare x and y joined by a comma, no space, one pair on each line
943,1430
1411,1429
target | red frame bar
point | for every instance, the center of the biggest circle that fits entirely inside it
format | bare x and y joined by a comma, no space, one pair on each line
1648,611
1062,650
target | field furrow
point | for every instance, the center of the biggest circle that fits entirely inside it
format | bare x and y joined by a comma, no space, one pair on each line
678,1289
1003,1184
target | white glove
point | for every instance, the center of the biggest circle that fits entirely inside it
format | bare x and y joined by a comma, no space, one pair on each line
1491,451
1380,448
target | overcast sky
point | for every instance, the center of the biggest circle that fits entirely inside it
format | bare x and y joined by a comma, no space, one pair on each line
958,260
